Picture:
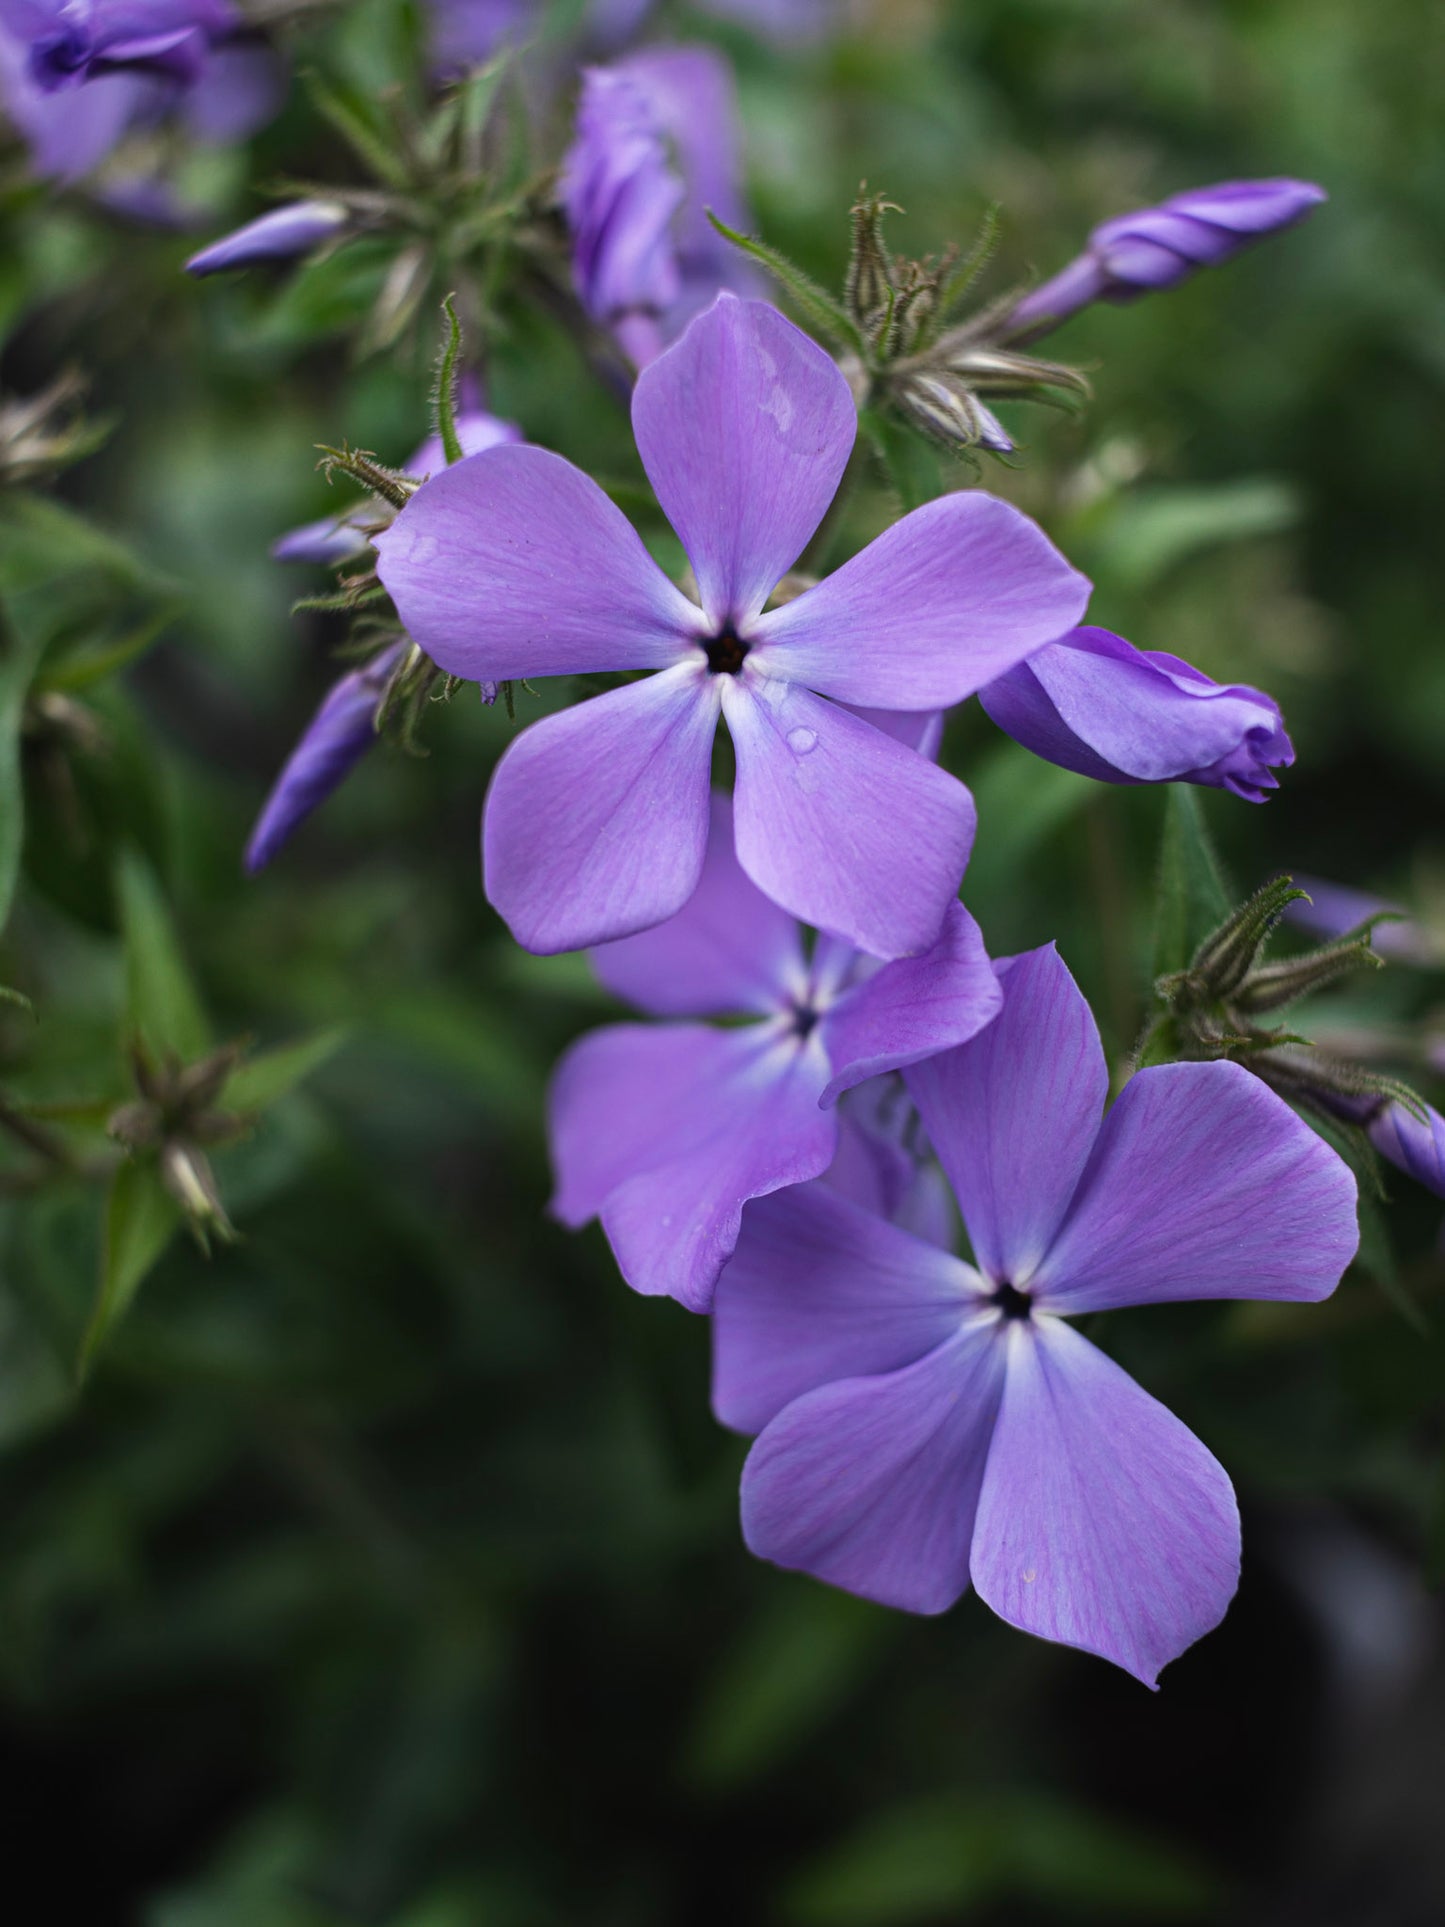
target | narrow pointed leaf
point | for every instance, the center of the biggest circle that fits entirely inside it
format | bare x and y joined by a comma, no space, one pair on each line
18,659
817,306
140,1220
163,1007
262,1080
1193,896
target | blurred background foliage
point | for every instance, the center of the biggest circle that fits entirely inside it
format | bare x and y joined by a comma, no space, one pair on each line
384,1567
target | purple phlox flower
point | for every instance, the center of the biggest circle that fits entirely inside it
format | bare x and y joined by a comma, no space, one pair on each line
1413,1144
926,1424
1333,909
1136,254
337,538
885,1165
1093,703
515,564
331,745
656,146
278,236
78,78
664,1131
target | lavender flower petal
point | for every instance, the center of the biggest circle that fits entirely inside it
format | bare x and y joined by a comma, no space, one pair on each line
744,428
596,822
513,563
871,1483
1093,703
334,741
1203,1184
820,1290
729,949
277,236
913,1008
938,605
1102,1523
819,798
1417,1147
1013,1114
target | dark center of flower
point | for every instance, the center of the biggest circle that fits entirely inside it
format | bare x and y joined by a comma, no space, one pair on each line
1012,1302
804,1020
725,653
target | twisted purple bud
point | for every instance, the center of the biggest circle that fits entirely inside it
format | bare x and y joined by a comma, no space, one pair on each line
1137,254
335,740
1414,1145
279,236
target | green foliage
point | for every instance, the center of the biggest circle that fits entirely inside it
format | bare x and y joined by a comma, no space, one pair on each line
140,1220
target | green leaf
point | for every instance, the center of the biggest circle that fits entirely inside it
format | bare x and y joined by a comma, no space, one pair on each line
1376,1258
1021,802
366,135
909,460
162,1005
1193,898
79,670
818,307
18,660
1150,531
141,1218
262,1080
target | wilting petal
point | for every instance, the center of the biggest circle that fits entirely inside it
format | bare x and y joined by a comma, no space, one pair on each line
940,604
745,427
820,1289
513,563
752,1125
1013,1113
1093,703
1203,1184
729,949
914,1008
839,823
1103,1522
871,1483
597,818
1416,1146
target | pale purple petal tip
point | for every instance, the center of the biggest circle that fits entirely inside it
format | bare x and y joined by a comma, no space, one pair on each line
1415,1145
279,236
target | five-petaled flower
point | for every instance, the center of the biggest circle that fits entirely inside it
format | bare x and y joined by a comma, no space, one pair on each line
515,564
666,1130
926,1423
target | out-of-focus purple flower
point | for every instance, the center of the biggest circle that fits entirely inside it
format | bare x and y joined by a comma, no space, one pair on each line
466,33
77,77
665,1131
1333,909
334,741
1159,247
278,236
336,538
656,146
926,1424
1093,703
1415,1145
515,564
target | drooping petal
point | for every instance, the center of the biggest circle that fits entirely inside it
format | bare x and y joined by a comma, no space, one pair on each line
729,949
821,1289
596,821
940,604
667,1132
840,824
871,1483
1014,1112
913,1008
1103,1522
1093,703
1203,1184
744,426
513,563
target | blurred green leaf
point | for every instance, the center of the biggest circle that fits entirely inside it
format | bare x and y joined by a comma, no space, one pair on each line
925,1860
163,1007
141,1218
18,659
260,1081
1147,532
797,1663
1193,898
1021,801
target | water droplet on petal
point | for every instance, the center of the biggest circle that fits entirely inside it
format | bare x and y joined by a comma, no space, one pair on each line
800,741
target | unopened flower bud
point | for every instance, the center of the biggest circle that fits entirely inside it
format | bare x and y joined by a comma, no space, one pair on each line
281,235
186,1173
1414,1145
1158,247
943,406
